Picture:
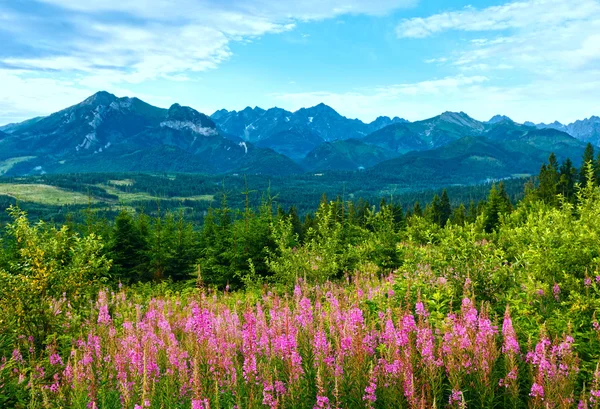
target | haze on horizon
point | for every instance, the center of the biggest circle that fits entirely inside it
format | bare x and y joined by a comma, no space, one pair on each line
533,60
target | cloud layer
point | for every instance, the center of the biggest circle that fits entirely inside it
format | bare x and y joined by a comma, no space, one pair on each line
534,60
101,44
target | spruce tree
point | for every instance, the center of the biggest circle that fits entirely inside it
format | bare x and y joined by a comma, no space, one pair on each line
183,251
472,212
128,249
434,214
567,179
498,203
459,215
417,211
588,157
445,210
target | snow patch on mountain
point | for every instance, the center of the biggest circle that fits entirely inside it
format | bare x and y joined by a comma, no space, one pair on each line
122,103
189,126
243,144
87,141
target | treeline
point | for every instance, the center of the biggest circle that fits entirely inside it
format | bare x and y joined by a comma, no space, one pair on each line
234,247
181,191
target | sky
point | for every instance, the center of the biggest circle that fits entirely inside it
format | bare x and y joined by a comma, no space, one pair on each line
533,60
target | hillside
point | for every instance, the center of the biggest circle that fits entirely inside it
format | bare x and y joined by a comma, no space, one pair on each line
350,154
475,159
106,133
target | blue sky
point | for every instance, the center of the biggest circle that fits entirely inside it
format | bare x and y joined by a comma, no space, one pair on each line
535,60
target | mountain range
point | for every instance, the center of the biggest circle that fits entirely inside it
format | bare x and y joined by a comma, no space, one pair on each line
106,133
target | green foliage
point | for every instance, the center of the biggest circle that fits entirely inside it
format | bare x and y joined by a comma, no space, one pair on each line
41,265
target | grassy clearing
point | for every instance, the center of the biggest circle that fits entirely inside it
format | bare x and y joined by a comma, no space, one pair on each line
128,197
7,164
52,195
122,182
44,194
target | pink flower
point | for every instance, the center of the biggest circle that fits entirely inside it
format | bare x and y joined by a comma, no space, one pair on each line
322,402
510,337
556,291
420,310
456,397
537,391
16,355
369,395
200,404
55,359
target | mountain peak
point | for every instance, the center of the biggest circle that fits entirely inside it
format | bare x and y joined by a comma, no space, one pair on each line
460,118
322,108
186,118
499,118
100,98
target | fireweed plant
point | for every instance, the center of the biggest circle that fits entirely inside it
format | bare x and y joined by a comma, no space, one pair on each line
358,345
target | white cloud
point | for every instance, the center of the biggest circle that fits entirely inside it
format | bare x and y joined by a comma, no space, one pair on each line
412,101
516,15
541,55
107,44
479,96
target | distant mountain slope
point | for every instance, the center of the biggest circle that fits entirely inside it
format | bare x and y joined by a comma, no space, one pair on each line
10,128
587,130
95,124
294,143
427,134
474,159
498,118
126,134
256,124
107,133
350,154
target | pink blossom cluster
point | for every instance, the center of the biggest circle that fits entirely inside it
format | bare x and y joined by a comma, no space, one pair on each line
327,347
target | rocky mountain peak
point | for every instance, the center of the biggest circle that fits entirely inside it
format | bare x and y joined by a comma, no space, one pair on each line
186,118
100,98
499,118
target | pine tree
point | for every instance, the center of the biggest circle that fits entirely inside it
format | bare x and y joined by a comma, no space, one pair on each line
459,215
128,249
588,157
549,179
498,203
445,210
434,214
567,179
183,251
472,212
417,211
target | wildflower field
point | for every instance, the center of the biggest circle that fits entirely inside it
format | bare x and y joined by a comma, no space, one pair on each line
369,309
347,345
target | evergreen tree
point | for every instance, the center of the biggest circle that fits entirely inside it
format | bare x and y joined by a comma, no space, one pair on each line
128,249
445,210
498,203
567,179
296,223
549,179
472,212
459,215
434,214
417,211
588,157
183,251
